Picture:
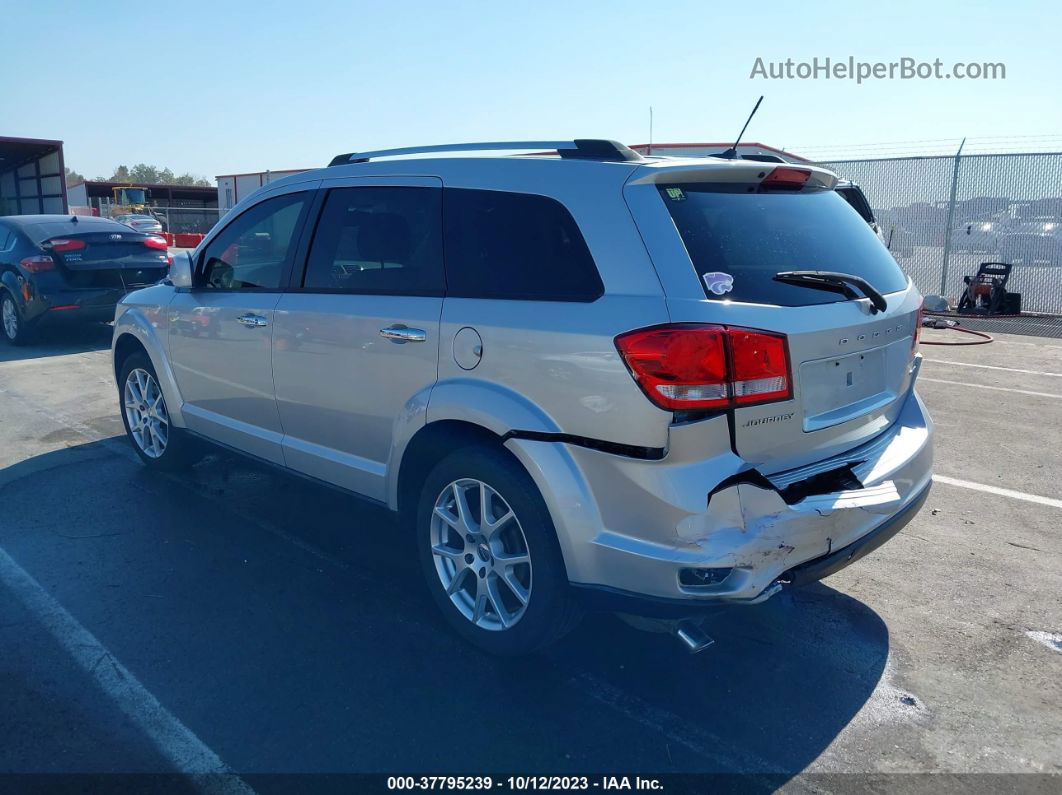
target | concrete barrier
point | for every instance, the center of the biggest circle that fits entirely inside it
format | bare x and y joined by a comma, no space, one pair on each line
187,240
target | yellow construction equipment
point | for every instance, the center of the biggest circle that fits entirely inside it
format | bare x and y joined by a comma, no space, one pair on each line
129,200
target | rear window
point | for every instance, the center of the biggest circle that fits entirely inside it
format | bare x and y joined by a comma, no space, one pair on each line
743,239
46,230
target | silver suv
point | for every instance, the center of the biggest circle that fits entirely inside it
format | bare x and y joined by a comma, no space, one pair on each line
584,377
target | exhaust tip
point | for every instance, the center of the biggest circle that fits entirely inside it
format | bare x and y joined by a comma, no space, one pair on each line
693,638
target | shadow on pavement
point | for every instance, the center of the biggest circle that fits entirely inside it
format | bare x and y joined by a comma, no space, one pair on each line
60,340
286,625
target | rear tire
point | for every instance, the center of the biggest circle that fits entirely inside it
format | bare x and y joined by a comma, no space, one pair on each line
15,328
146,417
493,565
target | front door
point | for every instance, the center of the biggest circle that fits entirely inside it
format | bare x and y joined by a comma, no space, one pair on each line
356,339
221,329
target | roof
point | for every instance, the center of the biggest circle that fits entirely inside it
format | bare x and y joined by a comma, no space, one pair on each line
15,152
572,181
104,185
484,171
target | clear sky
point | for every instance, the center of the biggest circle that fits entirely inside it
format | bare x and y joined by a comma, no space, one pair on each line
225,86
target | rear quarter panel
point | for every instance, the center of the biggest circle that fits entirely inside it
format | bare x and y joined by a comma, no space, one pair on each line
560,357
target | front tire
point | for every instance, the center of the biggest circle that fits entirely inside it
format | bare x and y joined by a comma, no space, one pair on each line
489,553
146,416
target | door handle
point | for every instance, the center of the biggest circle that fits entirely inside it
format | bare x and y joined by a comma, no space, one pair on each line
252,321
399,333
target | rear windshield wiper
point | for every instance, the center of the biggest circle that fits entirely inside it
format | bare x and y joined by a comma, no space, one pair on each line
837,282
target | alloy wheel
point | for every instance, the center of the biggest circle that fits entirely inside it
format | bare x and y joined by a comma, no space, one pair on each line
145,413
481,554
10,318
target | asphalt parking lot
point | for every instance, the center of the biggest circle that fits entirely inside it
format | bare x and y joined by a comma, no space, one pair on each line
234,618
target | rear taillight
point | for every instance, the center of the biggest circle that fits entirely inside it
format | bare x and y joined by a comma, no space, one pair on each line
783,178
759,367
156,243
38,264
64,244
689,366
917,336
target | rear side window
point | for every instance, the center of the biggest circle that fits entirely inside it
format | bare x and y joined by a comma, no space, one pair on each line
740,240
378,240
6,239
515,246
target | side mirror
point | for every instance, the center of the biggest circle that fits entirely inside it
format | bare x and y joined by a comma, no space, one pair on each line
181,270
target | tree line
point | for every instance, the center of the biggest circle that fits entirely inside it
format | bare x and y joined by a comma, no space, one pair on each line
144,174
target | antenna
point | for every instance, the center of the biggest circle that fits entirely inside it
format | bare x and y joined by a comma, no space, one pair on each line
649,151
731,153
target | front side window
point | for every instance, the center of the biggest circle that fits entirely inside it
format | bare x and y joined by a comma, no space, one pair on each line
515,246
253,251
378,239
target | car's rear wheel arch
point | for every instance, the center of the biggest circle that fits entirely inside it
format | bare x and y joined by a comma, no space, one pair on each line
426,448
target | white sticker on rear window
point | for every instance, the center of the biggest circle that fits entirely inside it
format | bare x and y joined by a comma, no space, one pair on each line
676,194
718,283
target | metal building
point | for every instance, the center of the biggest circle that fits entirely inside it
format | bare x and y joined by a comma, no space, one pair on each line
31,176
234,187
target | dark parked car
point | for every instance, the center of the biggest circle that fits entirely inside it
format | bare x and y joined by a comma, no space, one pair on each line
62,267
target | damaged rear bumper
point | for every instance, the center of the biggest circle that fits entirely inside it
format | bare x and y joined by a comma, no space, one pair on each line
817,569
600,597
632,530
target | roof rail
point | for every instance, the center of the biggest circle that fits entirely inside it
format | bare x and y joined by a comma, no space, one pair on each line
579,149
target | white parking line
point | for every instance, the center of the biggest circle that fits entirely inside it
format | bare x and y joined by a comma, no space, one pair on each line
175,741
994,367
1017,495
986,386
1052,640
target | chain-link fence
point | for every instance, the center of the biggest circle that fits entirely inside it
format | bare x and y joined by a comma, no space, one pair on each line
943,216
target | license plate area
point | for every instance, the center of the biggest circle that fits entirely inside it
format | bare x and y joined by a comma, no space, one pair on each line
841,388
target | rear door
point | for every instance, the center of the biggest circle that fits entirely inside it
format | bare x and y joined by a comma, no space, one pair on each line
221,329
717,246
356,343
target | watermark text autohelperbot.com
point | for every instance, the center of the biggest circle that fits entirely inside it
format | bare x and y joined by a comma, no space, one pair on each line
861,71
